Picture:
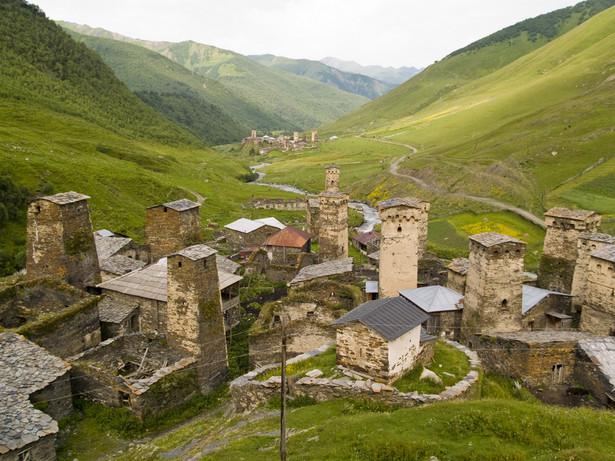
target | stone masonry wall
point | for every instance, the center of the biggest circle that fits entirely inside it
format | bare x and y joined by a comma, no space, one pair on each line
291,204
168,230
41,450
55,398
360,348
333,226
238,240
248,393
587,243
598,314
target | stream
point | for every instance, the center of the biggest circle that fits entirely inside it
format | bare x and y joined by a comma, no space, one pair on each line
370,214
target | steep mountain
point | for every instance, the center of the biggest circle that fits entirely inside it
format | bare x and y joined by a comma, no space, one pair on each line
300,102
199,104
391,75
533,129
345,81
67,123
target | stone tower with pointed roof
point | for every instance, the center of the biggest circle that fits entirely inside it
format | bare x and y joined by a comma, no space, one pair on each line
172,226
494,288
333,219
60,241
559,254
195,319
404,223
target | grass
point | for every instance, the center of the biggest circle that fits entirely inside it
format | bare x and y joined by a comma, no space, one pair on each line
446,359
324,362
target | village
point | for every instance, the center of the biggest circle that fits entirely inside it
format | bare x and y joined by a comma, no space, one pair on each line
143,326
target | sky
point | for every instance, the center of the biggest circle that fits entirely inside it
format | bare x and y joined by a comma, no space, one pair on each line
371,32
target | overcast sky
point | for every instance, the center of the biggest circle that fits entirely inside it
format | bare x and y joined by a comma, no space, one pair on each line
384,32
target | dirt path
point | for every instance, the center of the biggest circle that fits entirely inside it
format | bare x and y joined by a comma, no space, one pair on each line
199,198
433,188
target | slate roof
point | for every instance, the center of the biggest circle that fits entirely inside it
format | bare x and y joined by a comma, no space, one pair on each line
410,202
112,311
459,265
289,237
375,255
65,198
389,317
606,253
181,205
120,265
24,369
578,215
226,279
244,225
434,298
196,252
597,237
108,246
489,239
314,203
366,237
533,295
339,266
226,265
271,222
601,352
103,233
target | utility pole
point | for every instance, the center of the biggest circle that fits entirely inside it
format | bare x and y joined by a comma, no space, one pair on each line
283,397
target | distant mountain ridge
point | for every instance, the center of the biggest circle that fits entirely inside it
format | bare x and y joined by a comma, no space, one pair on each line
390,75
351,82
298,103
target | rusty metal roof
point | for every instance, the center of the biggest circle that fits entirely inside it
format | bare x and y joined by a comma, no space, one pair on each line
389,317
579,215
366,237
289,237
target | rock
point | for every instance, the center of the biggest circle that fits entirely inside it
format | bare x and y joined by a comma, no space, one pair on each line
314,373
376,387
428,374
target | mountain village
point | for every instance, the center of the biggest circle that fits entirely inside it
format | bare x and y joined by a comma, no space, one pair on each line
143,326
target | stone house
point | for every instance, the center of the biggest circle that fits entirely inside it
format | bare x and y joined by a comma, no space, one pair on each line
457,272
138,301
59,239
545,310
118,255
559,254
587,243
380,338
286,245
444,306
172,226
367,242
35,390
44,310
247,233
598,313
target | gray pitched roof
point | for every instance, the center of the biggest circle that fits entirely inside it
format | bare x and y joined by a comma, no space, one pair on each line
409,202
490,239
389,317
607,253
108,246
181,205
578,215
112,311
120,265
433,298
339,266
226,265
24,369
601,351
65,198
533,295
196,252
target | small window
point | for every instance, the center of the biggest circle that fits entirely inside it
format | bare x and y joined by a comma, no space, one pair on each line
38,209
179,264
204,263
505,303
276,319
310,314
398,228
164,209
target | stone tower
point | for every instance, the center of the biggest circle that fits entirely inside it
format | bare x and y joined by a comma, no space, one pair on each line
60,241
195,320
296,136
333,220
588,242
559,254
172,226
494,288
253,134
402,221
314,136
598,314
332,178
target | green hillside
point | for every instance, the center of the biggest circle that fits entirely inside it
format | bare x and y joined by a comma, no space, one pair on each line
391,75
315,70
67,123
301,103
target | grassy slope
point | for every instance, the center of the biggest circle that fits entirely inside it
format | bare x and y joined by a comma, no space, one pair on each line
315,70
67,123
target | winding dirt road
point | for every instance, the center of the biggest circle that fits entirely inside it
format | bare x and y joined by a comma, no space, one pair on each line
433,188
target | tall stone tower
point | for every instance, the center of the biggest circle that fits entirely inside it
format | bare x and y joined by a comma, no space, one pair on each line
333,219
588,242
314,136
195,320
60,241
559,254
172,226
494,288
598,314
402,222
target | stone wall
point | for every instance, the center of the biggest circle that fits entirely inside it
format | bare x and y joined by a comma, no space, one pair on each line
360,348
238,240
168,230
313,218
60,242
152,313
598,314
56,398
333,226
589,374
290,204
41,450
536,318
248,393
456,281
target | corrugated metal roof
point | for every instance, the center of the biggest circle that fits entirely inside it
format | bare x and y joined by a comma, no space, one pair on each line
65,197
244,225
289,237
579,215
533,295
433,298
607,253
366,237
389,317
489,239
339,266
271,222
